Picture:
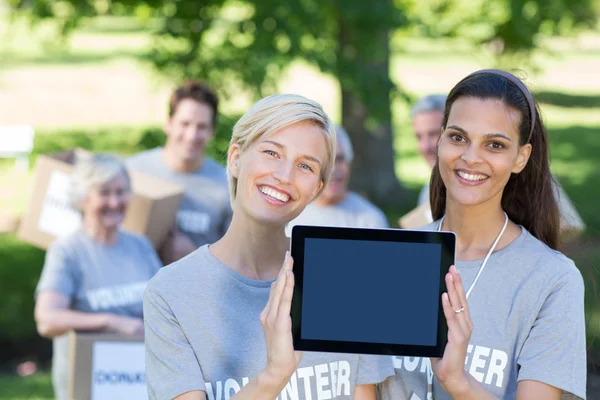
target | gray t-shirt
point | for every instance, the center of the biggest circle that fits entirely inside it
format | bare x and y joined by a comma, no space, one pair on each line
528,316
205,211
203,333
98,279
354,211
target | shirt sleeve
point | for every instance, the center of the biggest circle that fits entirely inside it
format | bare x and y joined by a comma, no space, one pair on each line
59,273
554,351
171,364
373,369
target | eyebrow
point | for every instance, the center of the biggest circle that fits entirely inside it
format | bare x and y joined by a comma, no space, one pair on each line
280,146
486,136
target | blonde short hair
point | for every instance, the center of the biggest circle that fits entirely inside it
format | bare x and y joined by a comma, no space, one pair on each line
276,112
91,170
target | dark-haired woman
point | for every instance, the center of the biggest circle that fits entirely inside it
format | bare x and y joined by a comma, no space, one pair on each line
521,335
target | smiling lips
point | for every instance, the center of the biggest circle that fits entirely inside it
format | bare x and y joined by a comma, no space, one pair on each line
274,194
471,178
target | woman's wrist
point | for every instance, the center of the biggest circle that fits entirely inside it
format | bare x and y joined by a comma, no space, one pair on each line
271,382
458,387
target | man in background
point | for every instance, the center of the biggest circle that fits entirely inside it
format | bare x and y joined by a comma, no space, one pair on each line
337,206
205,211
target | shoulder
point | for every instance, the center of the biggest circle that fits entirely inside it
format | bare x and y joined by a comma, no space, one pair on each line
213,168
143,157
363,205
552,263
174,278
67,245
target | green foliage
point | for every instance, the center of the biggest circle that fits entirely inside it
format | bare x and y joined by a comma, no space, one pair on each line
19,273
508,26
126,140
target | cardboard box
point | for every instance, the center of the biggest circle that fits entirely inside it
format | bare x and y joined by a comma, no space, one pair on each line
152,207
416,218
105,366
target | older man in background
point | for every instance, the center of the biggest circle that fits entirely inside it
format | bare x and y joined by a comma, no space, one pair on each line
337,206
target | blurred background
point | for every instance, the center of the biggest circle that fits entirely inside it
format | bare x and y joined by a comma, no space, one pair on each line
96,74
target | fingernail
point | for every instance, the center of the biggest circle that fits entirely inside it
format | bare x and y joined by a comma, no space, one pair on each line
451,278
287,254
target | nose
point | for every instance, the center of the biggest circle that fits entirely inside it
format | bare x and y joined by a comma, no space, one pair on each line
284,172
471,154
115,200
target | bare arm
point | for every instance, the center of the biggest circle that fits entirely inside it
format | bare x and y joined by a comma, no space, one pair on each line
53,318
365,392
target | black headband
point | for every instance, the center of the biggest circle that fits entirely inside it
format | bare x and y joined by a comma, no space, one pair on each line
521,87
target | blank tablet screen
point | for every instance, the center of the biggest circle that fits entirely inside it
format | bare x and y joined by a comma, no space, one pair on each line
371,291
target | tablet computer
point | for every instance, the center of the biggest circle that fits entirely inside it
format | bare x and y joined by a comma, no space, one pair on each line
370,291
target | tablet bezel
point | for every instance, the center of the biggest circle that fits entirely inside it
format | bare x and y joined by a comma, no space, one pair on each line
302,232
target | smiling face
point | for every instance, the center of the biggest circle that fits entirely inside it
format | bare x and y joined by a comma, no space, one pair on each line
279,174
106,204
189,129
479,150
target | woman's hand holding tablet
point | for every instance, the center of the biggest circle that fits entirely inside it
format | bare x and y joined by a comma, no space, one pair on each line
450,370
282,359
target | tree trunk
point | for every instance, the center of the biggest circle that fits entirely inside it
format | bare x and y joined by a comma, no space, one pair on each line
373,172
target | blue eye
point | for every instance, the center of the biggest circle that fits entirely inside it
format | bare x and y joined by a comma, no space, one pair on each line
305,166
270,152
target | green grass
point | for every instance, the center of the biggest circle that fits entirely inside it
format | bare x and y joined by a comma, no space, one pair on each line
33,387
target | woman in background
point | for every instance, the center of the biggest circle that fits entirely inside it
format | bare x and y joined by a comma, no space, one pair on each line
93,280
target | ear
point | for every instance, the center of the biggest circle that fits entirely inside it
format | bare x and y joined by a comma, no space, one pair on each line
233,159
314,195
522,158
167,127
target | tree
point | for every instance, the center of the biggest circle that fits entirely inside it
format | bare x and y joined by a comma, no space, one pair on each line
243,46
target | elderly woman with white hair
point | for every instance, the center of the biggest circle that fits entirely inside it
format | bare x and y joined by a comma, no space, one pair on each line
94,279
338,206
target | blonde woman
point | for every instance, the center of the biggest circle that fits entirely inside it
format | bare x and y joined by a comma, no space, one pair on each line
94,279
218,321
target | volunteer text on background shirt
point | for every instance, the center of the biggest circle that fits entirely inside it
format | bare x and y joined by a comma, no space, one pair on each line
203,332
205,210
527,311
99,279
353,211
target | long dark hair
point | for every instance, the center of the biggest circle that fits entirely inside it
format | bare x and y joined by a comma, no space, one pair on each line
528,197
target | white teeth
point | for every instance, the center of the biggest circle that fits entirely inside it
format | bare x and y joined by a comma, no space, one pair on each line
471,177
275,194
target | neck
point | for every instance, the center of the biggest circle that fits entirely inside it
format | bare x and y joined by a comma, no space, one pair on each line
476,228
252,249
98,233
179,164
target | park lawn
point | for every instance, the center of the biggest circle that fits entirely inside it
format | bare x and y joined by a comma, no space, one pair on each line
33,387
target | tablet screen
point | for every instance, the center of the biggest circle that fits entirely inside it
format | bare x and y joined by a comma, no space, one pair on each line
371,291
